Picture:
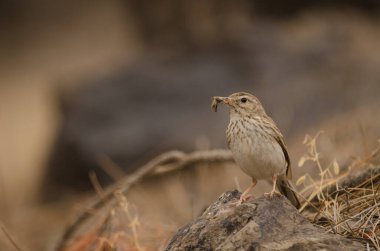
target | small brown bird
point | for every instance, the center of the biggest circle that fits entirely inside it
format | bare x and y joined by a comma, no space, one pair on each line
257,144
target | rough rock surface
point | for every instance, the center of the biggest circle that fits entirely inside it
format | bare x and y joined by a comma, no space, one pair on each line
260,224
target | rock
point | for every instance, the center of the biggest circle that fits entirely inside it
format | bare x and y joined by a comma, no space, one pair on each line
259,224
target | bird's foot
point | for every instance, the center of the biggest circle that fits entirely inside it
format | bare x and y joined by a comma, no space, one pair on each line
270,195
243,198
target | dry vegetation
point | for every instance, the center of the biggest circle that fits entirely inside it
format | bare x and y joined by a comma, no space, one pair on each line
114,221
345,200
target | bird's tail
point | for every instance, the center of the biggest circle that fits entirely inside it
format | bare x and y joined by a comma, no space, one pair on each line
286,189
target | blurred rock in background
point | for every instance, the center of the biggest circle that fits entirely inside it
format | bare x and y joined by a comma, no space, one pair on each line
304,70
83,83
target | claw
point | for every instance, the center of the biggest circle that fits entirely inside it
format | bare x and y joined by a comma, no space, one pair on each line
270,195
244,198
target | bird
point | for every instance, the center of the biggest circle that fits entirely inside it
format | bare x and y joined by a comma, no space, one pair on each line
257,145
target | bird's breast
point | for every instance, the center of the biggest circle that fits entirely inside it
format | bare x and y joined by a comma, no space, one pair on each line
254,149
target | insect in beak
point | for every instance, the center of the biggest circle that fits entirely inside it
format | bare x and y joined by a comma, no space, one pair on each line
216,100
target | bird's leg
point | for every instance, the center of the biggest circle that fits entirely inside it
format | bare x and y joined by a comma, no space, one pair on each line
245,195
274,181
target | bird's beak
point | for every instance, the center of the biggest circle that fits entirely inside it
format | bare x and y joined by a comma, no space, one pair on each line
226,100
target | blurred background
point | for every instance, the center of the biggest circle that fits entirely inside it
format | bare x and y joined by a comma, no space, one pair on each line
89,83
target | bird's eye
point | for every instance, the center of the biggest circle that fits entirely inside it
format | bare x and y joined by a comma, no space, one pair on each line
243,100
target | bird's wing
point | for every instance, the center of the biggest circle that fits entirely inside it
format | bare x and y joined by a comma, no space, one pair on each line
280,140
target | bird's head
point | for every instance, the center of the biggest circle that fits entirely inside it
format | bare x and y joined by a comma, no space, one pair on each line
240,104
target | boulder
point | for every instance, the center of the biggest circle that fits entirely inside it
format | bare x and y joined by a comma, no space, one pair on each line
259,224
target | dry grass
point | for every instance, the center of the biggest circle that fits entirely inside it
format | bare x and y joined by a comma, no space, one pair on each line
344,201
